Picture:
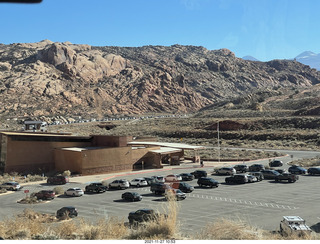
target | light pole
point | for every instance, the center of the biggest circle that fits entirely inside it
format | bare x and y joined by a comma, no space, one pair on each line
218,142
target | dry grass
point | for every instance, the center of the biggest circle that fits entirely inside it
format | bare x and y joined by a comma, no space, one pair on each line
307,162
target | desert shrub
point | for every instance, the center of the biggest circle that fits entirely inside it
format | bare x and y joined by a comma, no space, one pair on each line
66,173
58,190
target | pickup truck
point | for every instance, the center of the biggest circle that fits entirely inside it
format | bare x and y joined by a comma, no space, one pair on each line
96,187
287,176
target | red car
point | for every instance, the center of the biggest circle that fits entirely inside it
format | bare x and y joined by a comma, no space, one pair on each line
45,194
58,180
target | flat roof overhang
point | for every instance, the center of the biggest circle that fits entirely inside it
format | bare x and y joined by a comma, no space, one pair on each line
166,150
166,144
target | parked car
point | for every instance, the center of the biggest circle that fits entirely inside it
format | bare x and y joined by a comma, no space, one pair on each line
258,175
11,186
173,177
76,191
187,176
199,173
45,195
67,212
281,171
225,171
276,163
287,176
138,182
131,196
294,169
314,171
176,193
96,187
241,168
252,178
294,225
144,215
149,180
256,167
237,179
158,178
183,186
58,180
120,184
206,181
269,173
158,188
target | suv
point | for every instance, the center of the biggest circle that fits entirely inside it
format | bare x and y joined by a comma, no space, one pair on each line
270,174
174,177
96,187
276,163
143,215
120,184
187,176
66,212
225,171
158,188
199,173
204,181
176,193
314,171
45,195
241,168
158,178
287,176
131,196
58,180
11,186
237,179
294,169
294,225
138,182
183,186
258,175
256,167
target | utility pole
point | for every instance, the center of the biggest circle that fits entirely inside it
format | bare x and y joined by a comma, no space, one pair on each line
218,142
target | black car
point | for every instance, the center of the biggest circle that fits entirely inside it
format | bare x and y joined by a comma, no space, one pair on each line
270,174
276,163
187,176
204,181
158,188
199,173
281,171
314,171
258,175
256,167
67,212
294,169
143,215
96,187
183,186
58,180
131,196
241,168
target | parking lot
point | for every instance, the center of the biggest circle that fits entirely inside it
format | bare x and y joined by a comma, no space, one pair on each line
261,204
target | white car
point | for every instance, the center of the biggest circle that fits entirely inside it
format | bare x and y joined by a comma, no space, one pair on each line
226,171
158,178
138,182
75,192
173,177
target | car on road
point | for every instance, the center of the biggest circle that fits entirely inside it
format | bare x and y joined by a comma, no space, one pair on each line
187,176
173,177
58,180
131,196
269,173
183,186
11,186
314,171
144,215
175,193
276,163
237,179
225,171
119,184
158,178
74,192
66,212
159,188
45,195
199,173
206,181
294,169
241,168
138,182
256,167
258,175
287,176
96,187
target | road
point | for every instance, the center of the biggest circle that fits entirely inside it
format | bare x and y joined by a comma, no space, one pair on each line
260,204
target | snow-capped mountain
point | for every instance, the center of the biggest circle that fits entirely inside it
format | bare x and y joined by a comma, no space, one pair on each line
309,58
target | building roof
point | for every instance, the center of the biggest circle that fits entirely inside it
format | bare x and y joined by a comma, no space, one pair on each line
166,144
80,149
166,150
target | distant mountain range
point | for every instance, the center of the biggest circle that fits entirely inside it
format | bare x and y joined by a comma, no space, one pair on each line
308,58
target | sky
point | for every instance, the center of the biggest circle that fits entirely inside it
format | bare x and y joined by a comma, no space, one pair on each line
264,29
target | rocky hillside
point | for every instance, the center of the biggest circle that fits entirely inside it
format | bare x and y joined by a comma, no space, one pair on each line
47,78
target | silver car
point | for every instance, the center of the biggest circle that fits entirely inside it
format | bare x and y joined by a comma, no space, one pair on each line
120,184
11,186
225,171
